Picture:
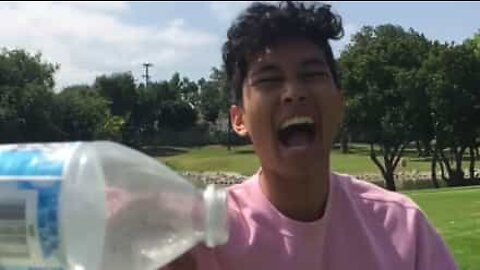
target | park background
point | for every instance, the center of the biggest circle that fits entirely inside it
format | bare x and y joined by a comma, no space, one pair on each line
149,75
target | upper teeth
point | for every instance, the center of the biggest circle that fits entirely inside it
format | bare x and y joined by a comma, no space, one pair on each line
296,121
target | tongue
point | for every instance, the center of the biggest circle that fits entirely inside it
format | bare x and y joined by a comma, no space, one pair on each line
298,139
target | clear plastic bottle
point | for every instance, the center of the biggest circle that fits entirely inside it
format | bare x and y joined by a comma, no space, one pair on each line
99,205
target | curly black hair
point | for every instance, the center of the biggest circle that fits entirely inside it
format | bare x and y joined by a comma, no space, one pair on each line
263,24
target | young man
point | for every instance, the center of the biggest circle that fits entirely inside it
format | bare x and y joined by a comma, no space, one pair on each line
294,213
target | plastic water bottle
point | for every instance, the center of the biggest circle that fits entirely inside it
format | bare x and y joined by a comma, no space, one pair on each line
99,205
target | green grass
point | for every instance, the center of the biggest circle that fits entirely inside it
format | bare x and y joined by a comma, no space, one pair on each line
215,158
455,212
243,160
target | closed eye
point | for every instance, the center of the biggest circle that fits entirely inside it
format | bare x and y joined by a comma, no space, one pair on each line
316,74
268,80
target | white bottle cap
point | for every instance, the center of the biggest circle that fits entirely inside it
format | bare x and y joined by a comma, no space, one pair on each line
216,218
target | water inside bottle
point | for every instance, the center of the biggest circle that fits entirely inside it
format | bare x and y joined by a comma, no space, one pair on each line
142,235
164,250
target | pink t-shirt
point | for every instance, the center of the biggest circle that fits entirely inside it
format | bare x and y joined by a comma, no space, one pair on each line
364,227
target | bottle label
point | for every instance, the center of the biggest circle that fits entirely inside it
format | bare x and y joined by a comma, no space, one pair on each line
30,185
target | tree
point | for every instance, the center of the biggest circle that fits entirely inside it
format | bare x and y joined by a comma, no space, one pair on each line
112,129
26,91
119,90
374,69
189,92
25,114
210,103
18,68
163,105
81,113
177,115
453,86
474,43
214,95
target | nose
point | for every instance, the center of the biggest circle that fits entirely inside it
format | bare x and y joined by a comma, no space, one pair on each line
294,92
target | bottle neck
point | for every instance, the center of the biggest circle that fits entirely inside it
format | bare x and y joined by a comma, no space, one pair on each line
216,218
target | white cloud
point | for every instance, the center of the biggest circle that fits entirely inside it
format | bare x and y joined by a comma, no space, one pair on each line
88,39
225,12
100,6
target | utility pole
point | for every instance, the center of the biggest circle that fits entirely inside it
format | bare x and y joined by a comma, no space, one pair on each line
147,75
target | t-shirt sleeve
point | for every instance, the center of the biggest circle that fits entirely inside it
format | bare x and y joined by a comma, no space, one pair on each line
431,251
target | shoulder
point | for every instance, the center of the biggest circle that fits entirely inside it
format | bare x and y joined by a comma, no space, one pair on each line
399,219
394,213
241,194
368,194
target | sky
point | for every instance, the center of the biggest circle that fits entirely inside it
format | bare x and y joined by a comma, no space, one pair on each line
88,39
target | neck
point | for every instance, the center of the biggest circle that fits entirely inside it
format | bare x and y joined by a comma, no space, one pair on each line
302,197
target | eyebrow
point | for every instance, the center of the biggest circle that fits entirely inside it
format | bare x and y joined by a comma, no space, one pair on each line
315,62
266,68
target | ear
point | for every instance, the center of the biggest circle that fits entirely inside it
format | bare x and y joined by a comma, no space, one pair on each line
237,118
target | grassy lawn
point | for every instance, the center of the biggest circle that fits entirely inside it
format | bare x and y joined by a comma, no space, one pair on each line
215,158
455,212
243,160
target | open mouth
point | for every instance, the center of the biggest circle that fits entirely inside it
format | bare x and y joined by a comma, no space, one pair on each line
297,132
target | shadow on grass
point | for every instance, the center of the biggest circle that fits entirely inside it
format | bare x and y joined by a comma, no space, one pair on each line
244,151
421,159
429,159
364,150
163,151
361,150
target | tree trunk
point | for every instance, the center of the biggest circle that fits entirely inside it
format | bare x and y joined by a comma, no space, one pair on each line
391,160
419,149
472,164
458,178
442,171
449,178
344,140
460,175
373,157
428,149
457,175
390,181
434,169
229,131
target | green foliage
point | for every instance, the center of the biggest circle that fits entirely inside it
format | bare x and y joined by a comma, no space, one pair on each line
376,69
214,96
453,85
400,87
25,97
19,69
474,43
120,90
81,113
112,129
176,114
